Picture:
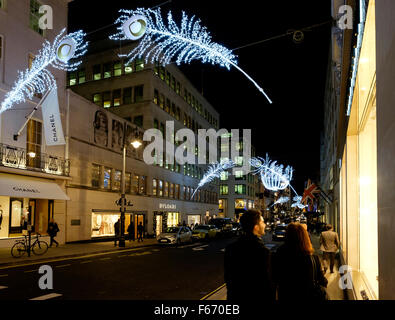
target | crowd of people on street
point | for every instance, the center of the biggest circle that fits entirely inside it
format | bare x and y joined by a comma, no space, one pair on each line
293,273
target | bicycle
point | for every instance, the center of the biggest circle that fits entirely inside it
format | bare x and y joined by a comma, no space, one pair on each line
20,247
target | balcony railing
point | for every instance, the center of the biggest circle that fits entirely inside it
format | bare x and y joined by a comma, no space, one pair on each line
19,158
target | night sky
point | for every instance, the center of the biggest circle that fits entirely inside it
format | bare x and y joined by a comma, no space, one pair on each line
293,75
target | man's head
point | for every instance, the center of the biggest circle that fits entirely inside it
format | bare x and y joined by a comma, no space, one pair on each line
252,222
329,227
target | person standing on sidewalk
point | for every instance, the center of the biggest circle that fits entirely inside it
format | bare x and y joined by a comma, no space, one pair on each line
117,226
247,262
52,231
329,244
140,230
131,231
297,270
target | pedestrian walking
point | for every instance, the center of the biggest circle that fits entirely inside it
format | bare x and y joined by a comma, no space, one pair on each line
140,230
117,226
247,262
329,244
131,231
297,272
52,231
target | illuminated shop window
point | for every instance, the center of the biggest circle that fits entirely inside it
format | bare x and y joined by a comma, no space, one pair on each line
107,178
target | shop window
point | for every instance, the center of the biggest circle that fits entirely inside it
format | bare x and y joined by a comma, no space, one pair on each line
135,184
143,185
107,99
107,70
107,179
35,16
17,217
116,98
127,95
154,187
97,72
98,99
139,64
103,224
81,76
138,93
117,180
240,204
95,180
117,69
172,219
33,143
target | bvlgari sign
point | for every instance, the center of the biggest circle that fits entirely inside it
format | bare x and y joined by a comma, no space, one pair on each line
167,206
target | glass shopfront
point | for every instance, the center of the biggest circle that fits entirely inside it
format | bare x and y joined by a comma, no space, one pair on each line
193,219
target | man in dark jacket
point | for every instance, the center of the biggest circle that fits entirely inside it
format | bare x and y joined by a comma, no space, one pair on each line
52,231
131,231
116,231
247,262
140,231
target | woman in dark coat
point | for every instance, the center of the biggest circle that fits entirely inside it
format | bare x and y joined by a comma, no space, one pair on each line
52,231
295,265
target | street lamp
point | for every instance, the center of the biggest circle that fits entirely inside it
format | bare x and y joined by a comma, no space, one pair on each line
136,143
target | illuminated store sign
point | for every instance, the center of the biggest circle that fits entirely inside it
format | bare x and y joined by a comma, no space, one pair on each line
167,206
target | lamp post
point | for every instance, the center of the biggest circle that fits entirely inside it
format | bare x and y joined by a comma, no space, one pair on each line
136,143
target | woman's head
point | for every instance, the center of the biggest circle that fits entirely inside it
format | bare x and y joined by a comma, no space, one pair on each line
298,239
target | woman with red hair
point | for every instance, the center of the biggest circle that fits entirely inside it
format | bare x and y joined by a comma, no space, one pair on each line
297,270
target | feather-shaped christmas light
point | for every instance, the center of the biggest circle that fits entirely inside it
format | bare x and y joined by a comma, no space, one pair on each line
298,203
162,42
273,176
61,54
214,171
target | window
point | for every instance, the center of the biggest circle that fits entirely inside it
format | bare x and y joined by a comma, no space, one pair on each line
128,68
81,76
156,97
107,70
135,183
72,81
138,93
177,191
178,88
224,175
107,178
173,83
160,188
162,72
154,187
117,69
95,180
33,141
178,114
240,189
98,99
168,105
127,95
189,98
139,64
97,72
162,101
138,121
171,191
156,124
239,161
128,180
223,189
239,175
2,6
143,185
35,17
173,109
116,98
117,180
184,190
168,77
107,99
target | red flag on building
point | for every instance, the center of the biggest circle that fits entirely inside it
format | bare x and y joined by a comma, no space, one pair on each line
309,192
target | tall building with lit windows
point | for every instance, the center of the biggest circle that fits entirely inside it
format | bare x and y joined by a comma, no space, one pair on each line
110,98
33,175
357,167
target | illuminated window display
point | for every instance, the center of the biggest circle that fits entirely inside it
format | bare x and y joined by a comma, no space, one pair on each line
173,218
103,224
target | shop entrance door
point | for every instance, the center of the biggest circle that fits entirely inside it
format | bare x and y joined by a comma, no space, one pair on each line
137,219
159,224
16,216
32,213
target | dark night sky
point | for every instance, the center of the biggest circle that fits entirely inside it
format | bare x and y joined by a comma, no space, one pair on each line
293,75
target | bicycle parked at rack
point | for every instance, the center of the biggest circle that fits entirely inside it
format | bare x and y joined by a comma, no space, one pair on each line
38,247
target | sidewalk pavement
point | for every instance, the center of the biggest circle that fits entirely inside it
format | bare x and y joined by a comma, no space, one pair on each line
333,289
70,250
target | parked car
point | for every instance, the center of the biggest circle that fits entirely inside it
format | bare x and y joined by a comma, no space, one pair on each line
279,232
236,228
223,224
175,235
204,231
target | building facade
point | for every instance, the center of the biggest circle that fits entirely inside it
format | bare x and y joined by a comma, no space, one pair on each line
32,175
110,98
359,172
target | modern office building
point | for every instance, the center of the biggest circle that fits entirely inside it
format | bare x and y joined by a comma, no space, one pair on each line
357,167
33,175
111,98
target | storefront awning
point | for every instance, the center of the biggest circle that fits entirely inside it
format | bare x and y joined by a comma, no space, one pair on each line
25,187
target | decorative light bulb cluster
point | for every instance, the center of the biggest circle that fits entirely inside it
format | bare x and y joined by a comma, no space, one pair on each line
161,42
38,79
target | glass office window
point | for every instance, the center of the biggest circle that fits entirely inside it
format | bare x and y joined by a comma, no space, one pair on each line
107,178
127,95
95,179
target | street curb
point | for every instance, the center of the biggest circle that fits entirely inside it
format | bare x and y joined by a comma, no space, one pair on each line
21,262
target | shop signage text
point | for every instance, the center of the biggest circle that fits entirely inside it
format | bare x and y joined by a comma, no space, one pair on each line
167,206
18,189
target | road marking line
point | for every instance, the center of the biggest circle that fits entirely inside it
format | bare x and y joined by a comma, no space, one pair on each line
89,261
123,256
211,293
3,275
63,266
35,270
102,259
200,248
2,287
47,296
189,245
